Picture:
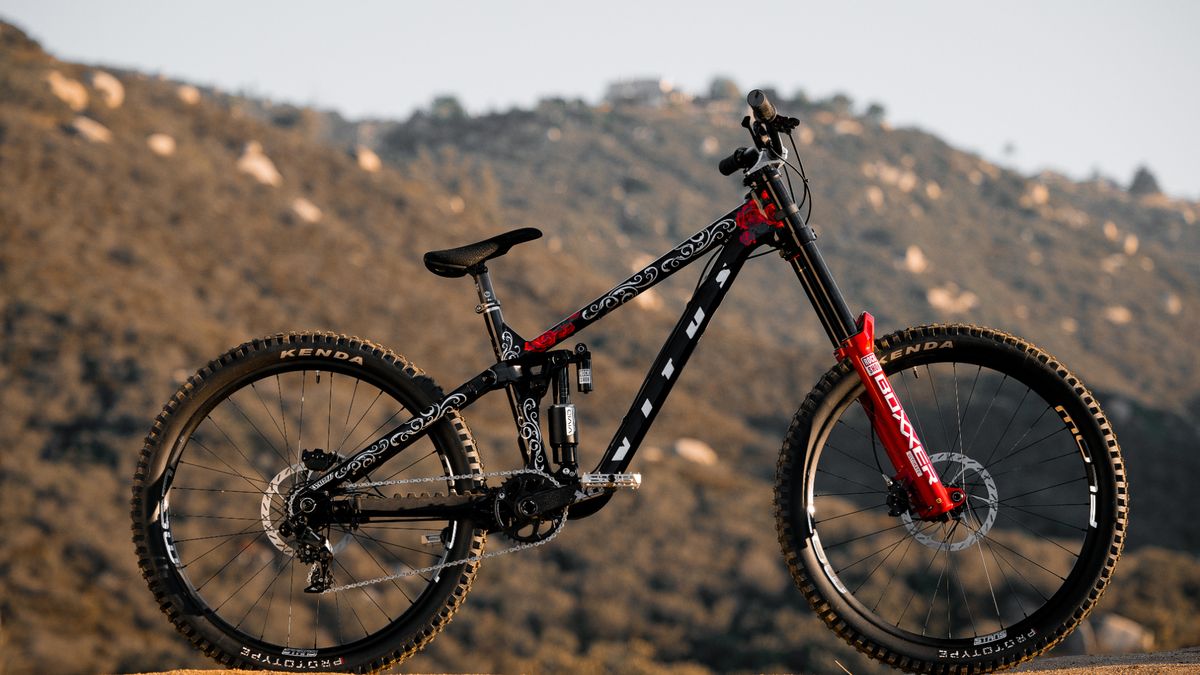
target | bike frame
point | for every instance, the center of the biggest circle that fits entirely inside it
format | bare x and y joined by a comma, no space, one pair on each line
525,369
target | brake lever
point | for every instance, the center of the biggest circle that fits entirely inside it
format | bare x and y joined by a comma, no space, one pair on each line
784,124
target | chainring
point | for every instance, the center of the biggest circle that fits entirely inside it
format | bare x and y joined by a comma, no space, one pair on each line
512,512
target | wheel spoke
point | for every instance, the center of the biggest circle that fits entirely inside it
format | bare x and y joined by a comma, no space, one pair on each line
1017,442
254,426
349,409
967,450
360,419
1021,555
1010,455
300,426
259,477
850,513
938,404
1013,418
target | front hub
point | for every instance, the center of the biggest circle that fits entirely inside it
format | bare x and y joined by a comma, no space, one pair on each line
977,510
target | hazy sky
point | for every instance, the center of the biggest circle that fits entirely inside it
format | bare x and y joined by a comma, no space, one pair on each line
1076,87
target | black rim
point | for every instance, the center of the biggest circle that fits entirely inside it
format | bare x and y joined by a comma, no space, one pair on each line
233,467
1016,549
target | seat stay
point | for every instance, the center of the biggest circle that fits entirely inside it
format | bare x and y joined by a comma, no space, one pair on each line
526,379
394,441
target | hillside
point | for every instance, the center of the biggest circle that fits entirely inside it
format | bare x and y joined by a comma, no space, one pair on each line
127,261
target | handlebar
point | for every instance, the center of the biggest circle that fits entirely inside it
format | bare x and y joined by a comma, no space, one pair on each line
763,109
741,159
764,127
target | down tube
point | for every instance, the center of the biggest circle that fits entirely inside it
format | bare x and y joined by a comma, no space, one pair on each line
673,357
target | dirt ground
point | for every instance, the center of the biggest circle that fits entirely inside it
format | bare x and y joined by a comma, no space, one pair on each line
1181,661
1177,663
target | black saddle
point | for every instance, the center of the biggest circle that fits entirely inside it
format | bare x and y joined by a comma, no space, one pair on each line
457,262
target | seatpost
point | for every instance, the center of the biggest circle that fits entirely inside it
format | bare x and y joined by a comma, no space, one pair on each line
489,307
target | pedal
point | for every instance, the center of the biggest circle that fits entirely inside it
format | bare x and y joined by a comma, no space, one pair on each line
631,481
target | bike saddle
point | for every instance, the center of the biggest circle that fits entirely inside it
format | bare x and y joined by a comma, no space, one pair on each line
457,262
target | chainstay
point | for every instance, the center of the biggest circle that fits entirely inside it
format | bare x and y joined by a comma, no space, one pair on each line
464,476
464,561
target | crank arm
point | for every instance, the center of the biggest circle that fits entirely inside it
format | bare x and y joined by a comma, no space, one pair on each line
548,501
591,485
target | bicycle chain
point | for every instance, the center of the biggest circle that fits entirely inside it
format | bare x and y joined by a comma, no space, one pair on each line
464,561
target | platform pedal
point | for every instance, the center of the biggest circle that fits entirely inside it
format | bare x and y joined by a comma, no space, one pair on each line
630,481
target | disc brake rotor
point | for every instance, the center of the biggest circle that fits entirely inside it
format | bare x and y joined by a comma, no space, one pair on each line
274,510
971,522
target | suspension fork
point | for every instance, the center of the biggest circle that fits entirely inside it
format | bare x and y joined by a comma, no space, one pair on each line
855,341
928,497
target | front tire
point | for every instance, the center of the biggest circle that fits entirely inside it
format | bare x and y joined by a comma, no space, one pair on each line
1018,568
209,493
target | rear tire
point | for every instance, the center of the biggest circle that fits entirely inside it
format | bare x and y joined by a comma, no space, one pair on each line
211,481
1023,563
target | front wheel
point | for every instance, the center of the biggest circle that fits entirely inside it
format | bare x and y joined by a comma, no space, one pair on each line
1008,575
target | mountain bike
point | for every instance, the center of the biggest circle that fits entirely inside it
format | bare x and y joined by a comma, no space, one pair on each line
949,498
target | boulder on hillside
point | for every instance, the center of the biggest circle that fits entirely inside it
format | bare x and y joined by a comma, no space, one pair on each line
161,144
91,130
367,159
306,210
1117,635
67,90
694,450
951,299
256,163
112,92
915,260
1118,314
188,94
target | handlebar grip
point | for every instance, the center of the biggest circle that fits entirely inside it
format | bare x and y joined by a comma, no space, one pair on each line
735,162
762,107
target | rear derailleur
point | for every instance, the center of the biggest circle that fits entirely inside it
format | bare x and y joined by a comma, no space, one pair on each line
320,575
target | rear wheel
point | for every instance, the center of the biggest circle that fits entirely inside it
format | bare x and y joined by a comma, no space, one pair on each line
1012,572
209,500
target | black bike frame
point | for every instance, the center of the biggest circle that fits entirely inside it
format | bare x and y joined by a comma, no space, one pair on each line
524,368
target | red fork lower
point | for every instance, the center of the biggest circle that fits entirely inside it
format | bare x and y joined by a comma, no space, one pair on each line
928,498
